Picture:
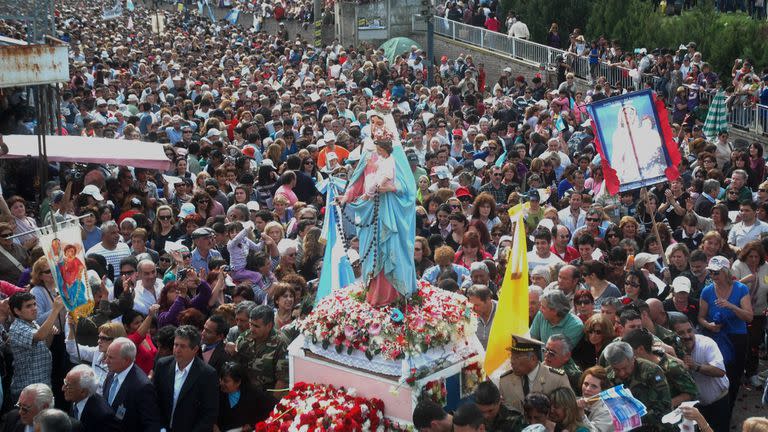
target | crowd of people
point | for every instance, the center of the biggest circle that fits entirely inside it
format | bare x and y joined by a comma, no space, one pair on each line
680,74
201,273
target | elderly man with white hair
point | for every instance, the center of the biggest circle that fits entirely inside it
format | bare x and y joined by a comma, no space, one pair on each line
33,399
93,412
148,286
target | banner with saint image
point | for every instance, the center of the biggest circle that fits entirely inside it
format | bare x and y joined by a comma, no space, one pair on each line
66,257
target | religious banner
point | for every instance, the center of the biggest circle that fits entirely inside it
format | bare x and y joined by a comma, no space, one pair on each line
634,139
66,257
113,12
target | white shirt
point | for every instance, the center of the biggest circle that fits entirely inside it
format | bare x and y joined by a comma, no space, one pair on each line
519,30
706,352
144,298
178,382
741,234
535,260
567,219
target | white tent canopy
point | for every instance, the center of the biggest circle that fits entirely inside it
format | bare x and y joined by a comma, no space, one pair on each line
90,150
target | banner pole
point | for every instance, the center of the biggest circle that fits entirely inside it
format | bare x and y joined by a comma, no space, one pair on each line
45,226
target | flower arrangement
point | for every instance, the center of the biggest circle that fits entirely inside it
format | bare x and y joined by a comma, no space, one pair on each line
436,391
319,407
315,407
471,376
430,318
382,105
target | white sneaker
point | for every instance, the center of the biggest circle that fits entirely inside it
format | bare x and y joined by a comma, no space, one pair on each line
755,381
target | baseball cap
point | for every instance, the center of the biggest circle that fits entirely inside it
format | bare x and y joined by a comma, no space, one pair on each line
252,206
681,284
211,132
463,192
479,164
249,151
413,157
718,263
93,191
644,258
442,172
533,195
186,210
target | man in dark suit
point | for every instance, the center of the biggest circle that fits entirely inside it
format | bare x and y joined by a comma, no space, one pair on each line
88,407
706,200
128,391
212,352
187,388
33,399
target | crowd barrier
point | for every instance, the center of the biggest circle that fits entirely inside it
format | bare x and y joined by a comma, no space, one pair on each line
744,116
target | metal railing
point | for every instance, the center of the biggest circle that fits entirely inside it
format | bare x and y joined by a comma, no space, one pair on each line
746,117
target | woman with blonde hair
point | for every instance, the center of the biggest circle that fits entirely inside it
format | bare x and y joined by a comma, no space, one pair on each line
96,355
566,413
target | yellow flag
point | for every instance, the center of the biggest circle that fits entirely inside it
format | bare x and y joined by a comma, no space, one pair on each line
512,311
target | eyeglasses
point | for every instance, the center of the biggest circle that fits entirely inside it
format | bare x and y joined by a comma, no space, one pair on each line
46,271
632,283
186,256
203,201
168,217
496,174
611,235
455,206
23,408
593,219
165,259
595,331
127,272
309,163
714,272
549,352
583,302
105,338
762,190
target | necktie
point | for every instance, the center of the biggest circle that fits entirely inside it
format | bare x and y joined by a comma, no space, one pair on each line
75,411
526,385
113,389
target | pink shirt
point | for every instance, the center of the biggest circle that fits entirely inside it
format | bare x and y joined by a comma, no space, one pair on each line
287,192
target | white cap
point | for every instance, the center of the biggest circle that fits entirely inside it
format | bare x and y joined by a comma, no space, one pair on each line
681,284
442,172
252,206
644,258
211,132
100,101
330,136
92,190
186,210
479,164
718,263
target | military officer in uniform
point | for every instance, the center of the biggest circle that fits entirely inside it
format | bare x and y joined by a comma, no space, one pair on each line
557,354
263,351
528,374
644,379
497,416
681,385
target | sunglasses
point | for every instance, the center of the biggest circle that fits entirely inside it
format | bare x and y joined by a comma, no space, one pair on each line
762,190
165,260
593,219
6,234
164,217
632,283
595,331
186,256
712,272
611,235
309,163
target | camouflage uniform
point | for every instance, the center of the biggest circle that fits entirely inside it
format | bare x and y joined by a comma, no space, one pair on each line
670,338
573,371
506,421
648,385
680,381
265,362
604,363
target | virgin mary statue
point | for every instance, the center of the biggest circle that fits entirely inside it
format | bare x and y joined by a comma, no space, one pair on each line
382,193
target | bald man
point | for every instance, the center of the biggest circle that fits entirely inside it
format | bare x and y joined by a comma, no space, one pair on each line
657,312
